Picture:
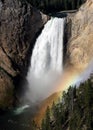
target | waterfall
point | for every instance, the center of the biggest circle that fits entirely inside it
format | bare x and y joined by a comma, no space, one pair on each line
47,58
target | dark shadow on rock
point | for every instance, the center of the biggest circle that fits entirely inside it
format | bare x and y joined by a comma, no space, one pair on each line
21,87
32,44
67,35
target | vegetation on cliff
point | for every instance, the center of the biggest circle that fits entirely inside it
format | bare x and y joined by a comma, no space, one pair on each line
73,112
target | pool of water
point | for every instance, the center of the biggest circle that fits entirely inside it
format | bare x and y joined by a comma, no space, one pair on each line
17,121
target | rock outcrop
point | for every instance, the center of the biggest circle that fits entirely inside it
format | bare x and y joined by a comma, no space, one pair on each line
80,42
20,24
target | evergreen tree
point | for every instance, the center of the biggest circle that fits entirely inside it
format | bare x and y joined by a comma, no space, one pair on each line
47,118
74,112
51,6
43,126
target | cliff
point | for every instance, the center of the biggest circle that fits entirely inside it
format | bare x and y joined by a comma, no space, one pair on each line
20,24
80,37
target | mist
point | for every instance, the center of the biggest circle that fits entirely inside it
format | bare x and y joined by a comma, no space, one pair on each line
46,74
86,74
46,61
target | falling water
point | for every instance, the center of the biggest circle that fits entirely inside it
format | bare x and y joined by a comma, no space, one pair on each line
47,59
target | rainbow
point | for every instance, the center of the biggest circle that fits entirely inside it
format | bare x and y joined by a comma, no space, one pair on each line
70,77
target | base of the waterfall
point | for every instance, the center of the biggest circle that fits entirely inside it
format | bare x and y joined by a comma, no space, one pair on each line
41,88
21,109
18,119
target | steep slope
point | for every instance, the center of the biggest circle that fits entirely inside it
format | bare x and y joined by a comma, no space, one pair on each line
80,43
43,106
74,112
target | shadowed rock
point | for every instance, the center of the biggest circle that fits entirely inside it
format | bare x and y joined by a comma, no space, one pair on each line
20,24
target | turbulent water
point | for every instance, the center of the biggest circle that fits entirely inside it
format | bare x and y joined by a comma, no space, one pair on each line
47,58
48,51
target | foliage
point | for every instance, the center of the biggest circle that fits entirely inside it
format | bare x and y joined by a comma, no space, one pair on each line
51,6
74,112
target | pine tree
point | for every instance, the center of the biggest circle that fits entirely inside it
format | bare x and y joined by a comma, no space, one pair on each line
43,126
75,111
47,119
88,102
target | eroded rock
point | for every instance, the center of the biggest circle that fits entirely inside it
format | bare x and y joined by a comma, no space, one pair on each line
80,43
20,24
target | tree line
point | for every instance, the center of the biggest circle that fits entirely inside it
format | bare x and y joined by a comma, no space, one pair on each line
50,6
74,111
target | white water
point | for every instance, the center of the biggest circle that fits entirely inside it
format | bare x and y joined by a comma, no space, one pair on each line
20,110
47,59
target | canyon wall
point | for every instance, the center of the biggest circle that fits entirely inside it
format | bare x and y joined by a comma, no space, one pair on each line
80,37
20,24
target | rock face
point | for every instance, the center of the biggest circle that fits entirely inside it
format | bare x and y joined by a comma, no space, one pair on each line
80,42
19,25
